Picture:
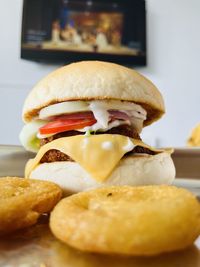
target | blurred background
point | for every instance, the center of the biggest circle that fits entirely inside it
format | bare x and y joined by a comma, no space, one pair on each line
162,43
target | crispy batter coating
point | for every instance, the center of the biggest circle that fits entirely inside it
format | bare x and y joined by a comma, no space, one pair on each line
23,200
146,220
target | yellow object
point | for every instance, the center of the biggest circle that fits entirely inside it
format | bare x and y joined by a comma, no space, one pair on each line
194,139
97,154
147,220
22,201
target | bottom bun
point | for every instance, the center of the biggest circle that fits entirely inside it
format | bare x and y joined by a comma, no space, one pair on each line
132,170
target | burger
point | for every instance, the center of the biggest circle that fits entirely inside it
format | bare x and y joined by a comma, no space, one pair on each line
84,121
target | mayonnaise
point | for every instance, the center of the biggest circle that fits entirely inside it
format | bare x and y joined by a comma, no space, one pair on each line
100,113
107,145
129,146
85,142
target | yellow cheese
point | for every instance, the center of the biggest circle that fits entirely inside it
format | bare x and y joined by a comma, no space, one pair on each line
97,154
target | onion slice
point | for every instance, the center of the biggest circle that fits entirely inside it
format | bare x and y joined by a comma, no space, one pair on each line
63,108
69,107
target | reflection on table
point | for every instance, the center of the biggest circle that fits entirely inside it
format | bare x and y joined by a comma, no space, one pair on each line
36,246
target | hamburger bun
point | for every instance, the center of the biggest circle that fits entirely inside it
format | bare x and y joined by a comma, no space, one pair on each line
95,80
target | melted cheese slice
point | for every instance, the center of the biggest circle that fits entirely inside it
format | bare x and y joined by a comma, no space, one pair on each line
97,154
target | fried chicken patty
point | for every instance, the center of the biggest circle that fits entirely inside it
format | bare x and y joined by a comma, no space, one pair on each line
55,155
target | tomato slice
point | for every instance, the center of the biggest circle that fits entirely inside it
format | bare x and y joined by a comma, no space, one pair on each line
64,124
73,121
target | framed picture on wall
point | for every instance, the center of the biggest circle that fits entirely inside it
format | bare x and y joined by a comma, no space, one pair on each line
70,30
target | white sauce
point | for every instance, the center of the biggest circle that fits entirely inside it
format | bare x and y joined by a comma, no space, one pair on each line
107,145
85,142
97,126
129,146
100,110
100,113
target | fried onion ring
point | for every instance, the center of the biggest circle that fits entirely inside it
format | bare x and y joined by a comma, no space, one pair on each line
146,220
23,200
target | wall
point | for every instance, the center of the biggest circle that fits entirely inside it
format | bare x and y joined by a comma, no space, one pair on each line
173,65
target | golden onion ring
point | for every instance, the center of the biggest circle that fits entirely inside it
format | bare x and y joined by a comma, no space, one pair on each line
145,220
22,201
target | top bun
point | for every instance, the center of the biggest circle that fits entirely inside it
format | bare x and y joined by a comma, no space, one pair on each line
94,80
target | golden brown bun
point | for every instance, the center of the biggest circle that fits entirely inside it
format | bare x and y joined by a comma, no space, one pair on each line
94,80
22,201
131,170
145,220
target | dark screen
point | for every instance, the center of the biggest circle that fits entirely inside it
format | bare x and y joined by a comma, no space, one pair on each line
71,30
